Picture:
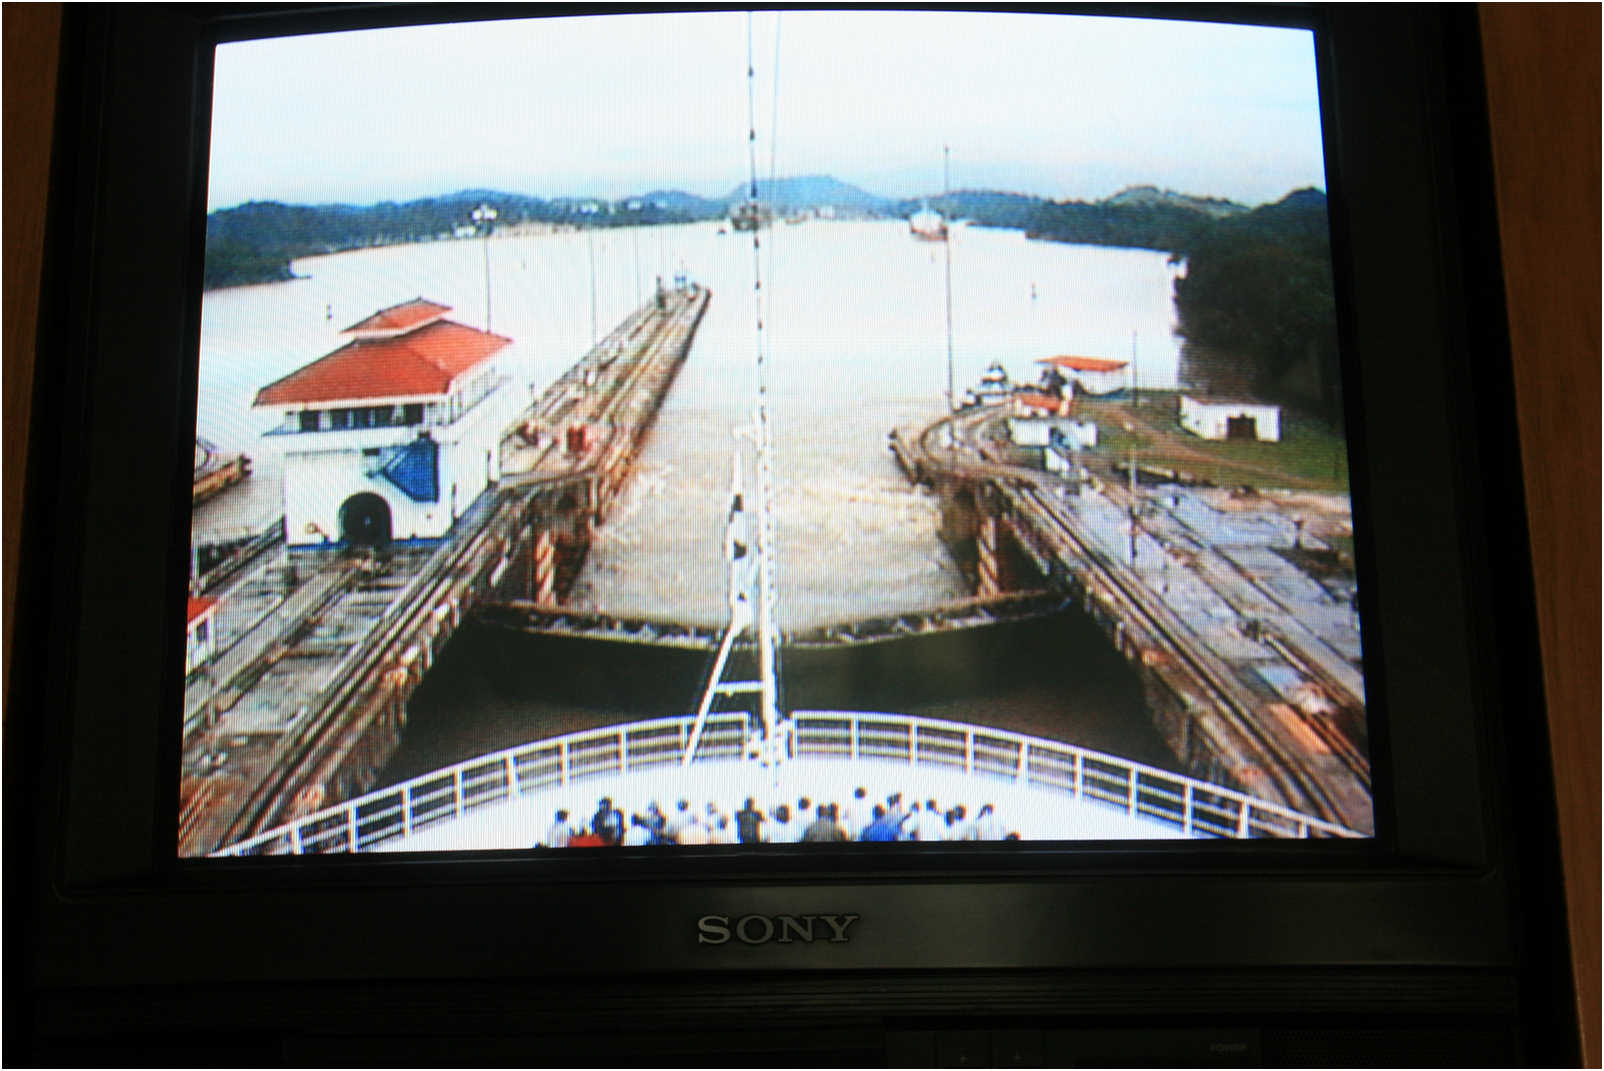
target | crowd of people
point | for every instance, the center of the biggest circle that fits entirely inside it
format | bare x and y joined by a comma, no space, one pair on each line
807,822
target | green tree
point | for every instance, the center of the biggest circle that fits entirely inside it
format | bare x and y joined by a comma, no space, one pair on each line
1257,303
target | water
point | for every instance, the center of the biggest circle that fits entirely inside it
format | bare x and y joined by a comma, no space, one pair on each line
857,335
1055,677
856,321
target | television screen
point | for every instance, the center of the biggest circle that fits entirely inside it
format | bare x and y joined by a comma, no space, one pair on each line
519,487
803,427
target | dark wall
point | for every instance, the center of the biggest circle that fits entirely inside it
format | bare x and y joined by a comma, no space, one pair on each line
1542,64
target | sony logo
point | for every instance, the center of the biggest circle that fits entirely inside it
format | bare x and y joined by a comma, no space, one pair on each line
780,929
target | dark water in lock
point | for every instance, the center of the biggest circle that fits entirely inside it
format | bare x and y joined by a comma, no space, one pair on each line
1055,677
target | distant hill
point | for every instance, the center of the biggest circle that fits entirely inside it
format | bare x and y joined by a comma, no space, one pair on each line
1152,195
1134,219
1257,306
255,242
987,208
811,191
680,201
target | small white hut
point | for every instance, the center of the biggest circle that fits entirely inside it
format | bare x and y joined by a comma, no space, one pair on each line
1225,418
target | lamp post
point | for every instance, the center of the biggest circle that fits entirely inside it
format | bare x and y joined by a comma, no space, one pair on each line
483,217
1136,398
946,243
590,238
1130,429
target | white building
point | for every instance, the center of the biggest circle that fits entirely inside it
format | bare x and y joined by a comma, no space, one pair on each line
1052,431
1224,418
1091,375
393,435
200,641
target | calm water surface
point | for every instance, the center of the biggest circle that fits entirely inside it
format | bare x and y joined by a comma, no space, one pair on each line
857,335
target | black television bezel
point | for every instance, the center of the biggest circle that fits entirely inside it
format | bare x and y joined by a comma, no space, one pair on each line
96,667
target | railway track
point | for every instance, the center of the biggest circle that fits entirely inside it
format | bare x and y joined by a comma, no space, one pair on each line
445,586
1282,762
1336,784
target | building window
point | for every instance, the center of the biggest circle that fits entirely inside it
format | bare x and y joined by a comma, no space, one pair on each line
413,414
309,420
340,418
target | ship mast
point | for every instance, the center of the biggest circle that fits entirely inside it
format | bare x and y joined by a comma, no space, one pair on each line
751,609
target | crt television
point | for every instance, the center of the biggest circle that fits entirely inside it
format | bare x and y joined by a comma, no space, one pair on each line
1430,935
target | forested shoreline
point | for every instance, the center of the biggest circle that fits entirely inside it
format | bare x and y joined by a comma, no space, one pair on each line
1254,302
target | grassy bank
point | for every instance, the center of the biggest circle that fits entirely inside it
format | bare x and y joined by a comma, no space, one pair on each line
1309,457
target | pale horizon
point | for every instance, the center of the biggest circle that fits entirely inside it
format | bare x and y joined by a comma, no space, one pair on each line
1061,107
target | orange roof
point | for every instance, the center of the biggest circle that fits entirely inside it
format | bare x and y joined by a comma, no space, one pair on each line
423,361
408,314
199,607
1085,364
1039,401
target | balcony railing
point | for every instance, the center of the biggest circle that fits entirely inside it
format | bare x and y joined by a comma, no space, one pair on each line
1196,808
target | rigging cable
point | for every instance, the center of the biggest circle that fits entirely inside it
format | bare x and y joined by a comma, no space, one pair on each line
768,534
768,640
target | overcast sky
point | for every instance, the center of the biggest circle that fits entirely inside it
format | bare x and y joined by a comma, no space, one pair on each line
1062,107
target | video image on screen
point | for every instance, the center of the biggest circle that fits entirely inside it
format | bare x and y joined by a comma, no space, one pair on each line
806,427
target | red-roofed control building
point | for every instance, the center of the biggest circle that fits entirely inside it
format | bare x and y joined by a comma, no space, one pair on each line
393,435
1091,375
200,634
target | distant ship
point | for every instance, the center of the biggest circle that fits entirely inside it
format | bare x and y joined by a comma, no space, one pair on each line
216,471
927,226
994,388
750,216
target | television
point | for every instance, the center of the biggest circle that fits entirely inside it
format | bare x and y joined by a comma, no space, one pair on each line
1429,936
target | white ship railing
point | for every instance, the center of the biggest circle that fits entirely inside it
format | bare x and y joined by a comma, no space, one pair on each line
1196,808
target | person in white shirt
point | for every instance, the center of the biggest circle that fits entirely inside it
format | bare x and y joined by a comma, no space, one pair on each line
780,829
557,836
677,821
639,834
988,826
932,824
909,829
694,832
857,815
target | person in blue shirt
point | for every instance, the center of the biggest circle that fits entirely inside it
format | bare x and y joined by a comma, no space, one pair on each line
887,826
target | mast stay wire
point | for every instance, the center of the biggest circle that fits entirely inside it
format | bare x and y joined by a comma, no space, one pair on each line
767,341
767,640
773,746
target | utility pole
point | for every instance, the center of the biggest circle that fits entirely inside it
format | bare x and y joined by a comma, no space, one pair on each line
1136,398
946,242
590,236
1130,429
483,217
